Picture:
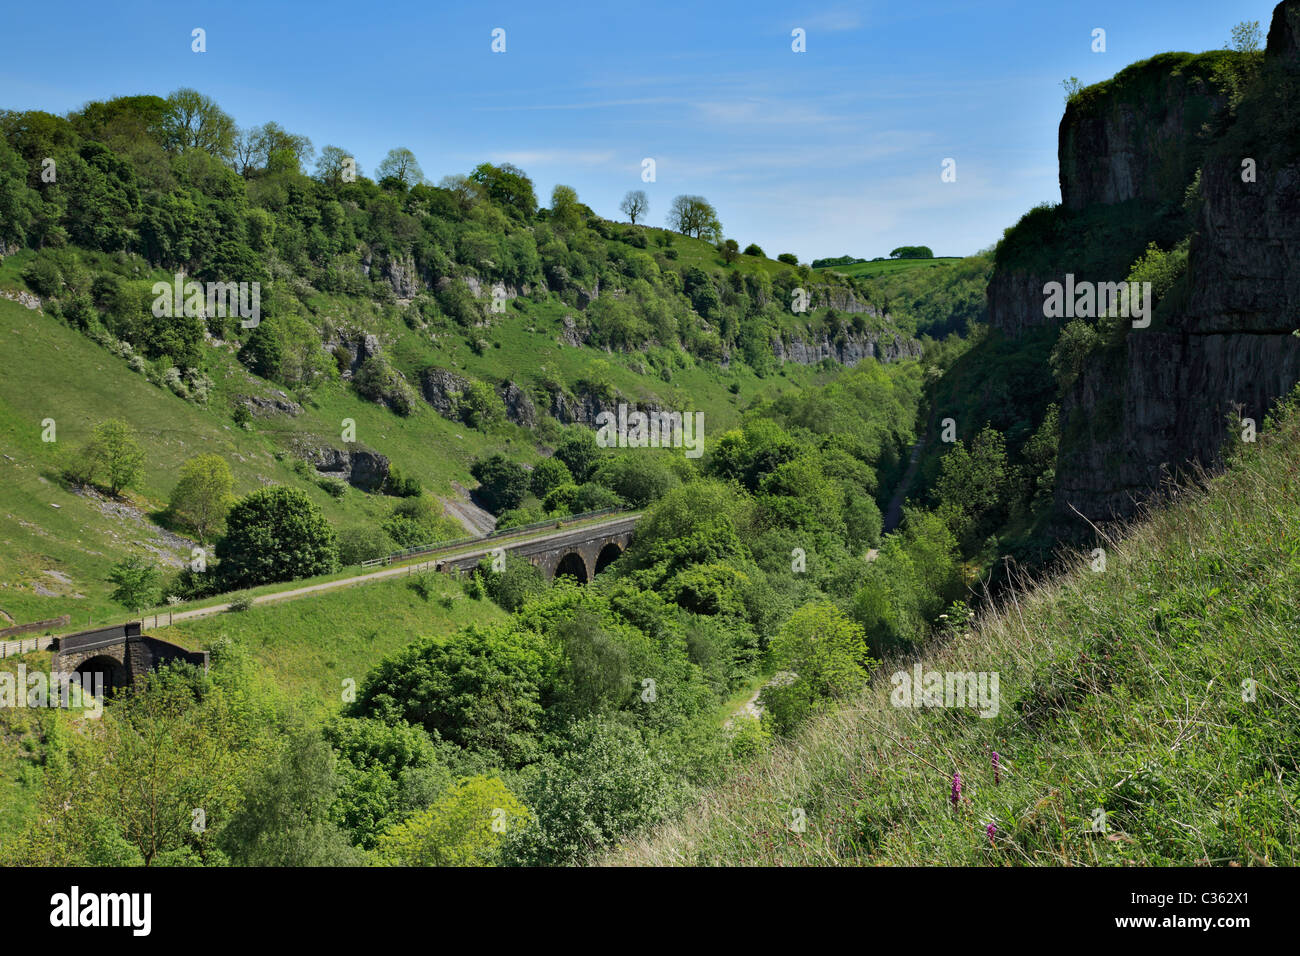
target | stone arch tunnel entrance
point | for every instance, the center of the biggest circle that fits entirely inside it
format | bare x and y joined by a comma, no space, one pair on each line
114,675
572,565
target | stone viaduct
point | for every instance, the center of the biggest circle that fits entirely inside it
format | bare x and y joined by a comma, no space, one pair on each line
121,653
581,553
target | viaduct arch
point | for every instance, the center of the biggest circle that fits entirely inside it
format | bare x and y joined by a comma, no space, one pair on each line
582,553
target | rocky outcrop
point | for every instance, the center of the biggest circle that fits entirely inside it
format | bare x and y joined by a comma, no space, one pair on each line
442,388
571,334
1244,268
848,349
1138,136
480,289
361,468
1164,409
403,276
519,406
583,408
1167,400
357,346
841,299
278,404
1016,301
25,299
1284,32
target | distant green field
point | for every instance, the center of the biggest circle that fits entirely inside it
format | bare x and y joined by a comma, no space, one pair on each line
886,266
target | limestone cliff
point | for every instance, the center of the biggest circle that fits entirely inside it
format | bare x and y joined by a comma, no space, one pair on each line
1160,401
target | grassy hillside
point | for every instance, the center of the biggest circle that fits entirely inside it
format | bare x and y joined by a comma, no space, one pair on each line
49,527
309,646
1159,695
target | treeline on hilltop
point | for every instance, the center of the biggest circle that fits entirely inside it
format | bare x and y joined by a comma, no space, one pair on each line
124,192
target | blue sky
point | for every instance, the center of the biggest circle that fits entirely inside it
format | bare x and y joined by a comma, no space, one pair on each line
832,151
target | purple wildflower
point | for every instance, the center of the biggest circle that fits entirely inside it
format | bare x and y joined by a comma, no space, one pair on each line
991,830
997,775
956,787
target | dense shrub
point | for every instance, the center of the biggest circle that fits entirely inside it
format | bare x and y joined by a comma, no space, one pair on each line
275,534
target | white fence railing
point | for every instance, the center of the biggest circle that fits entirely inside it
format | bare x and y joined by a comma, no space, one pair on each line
42,642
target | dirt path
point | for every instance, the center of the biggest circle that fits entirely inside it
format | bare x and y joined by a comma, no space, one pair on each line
752,708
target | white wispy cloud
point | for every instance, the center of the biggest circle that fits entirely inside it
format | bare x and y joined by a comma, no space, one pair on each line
554,157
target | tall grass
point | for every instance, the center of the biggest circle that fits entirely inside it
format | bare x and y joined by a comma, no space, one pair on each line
1128,732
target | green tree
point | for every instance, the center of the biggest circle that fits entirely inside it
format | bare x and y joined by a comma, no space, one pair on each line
973,484
579,452
549,473
912,252
638,478
275,534
418,521
115,453
385,771
577,449
400,165
465,827
513,586
203,495
566,213
604,782
1247,37
502,483
479,688
136,583
363,543
284,820
195,121
694,216
333,163
825,655
508,186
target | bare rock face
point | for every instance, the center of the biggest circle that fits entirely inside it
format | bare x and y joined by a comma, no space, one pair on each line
369,470
581,408
403,276
1016,301
1284,32
841,300
440,388
25,299
571,334
358,346
1168,400
361,468
1131,141
1246,268
519,406
278,404
848,349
